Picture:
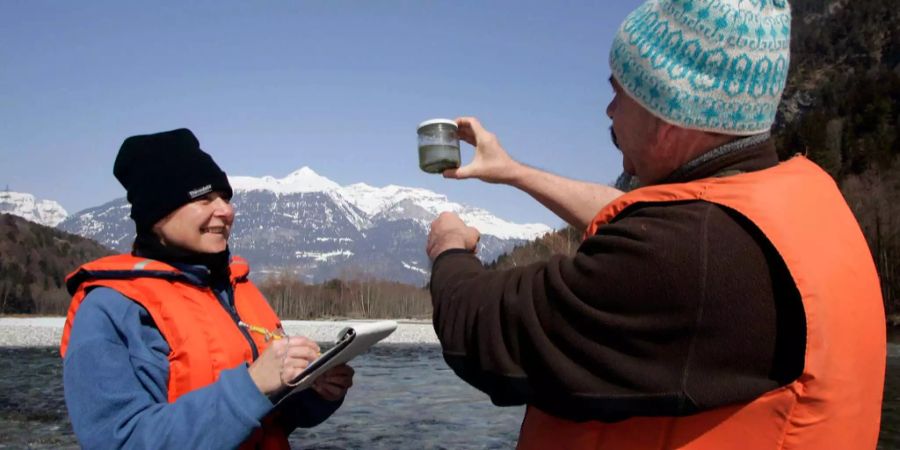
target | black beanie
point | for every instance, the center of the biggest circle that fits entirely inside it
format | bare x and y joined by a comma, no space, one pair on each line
164,171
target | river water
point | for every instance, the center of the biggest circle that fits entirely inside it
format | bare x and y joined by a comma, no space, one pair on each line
404,397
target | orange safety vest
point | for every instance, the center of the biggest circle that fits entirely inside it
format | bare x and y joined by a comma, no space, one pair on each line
203,338
836,401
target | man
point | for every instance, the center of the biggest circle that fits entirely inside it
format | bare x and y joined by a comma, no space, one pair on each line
730,302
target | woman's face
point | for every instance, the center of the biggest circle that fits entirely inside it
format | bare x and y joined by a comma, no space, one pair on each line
201,226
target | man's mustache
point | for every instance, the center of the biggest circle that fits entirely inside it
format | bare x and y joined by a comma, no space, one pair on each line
612,134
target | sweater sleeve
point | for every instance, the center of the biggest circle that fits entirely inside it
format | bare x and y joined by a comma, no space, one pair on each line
644,320
305,410
115,375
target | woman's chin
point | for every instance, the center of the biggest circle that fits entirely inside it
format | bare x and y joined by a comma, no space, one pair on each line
213,244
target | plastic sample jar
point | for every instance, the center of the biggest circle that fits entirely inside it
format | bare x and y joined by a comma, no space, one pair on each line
438,145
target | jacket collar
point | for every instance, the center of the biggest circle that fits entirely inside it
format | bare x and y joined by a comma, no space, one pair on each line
747,154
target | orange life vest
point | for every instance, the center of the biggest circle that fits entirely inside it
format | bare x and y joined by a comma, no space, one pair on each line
203,337
836,402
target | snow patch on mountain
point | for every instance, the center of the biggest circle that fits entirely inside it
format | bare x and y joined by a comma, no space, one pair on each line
303,180
308,225
26,206
365,205
323,256
414,268
400,201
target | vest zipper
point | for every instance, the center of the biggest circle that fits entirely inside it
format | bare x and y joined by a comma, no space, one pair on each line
232,311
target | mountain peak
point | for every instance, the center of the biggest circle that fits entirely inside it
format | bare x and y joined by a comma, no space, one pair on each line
301,180
303,173
26,206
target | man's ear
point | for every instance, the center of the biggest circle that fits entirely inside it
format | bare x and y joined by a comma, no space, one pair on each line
666,136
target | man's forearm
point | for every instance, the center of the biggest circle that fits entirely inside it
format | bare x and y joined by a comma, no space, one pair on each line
576,202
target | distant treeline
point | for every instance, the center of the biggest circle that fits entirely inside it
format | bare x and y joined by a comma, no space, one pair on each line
358,299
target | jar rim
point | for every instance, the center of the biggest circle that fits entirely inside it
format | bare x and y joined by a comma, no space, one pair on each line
436,121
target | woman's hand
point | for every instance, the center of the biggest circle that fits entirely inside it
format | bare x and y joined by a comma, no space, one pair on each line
333,384
281,362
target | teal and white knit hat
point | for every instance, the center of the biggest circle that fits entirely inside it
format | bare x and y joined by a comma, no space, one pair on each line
713,65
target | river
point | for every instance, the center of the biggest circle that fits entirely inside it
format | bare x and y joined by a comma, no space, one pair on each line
404,397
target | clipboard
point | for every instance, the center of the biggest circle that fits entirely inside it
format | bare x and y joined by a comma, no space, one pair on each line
351,342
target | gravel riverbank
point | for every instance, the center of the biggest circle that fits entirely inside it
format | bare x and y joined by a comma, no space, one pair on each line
46,331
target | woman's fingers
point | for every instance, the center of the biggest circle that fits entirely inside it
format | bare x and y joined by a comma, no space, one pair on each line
333,385
342,378
343,370
308,353
297,356
301,341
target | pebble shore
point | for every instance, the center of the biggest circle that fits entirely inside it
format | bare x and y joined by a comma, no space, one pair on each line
46,331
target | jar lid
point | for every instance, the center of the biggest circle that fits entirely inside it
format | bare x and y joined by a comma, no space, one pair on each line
434,121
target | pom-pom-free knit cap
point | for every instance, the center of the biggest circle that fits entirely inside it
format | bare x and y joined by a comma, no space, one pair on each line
713,65
164,171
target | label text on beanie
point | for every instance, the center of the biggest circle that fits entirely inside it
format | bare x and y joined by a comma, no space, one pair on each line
194,193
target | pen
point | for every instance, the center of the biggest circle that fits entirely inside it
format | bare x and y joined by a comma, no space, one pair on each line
268,335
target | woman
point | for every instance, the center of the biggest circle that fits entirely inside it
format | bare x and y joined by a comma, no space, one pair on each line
172,346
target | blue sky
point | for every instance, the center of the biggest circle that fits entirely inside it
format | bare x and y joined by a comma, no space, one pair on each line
270,87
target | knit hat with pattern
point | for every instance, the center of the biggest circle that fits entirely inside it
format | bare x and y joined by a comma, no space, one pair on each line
713,65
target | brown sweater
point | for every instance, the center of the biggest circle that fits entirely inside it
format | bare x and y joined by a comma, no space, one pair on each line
671,309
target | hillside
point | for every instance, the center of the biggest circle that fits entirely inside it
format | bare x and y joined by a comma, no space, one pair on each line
34,260
842,108
841,101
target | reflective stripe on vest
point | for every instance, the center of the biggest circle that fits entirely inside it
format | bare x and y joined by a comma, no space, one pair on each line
836,402
202,336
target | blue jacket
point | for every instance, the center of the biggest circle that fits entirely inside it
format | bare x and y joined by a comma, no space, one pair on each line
115,376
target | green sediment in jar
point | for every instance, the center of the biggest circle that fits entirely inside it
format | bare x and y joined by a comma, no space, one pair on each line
438,158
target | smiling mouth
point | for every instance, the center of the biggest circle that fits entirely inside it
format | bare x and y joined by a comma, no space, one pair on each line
214,230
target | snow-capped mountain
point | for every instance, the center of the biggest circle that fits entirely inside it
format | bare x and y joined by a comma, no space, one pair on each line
309,224
44,212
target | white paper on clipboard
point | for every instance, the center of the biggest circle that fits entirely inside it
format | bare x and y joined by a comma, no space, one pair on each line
351,342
